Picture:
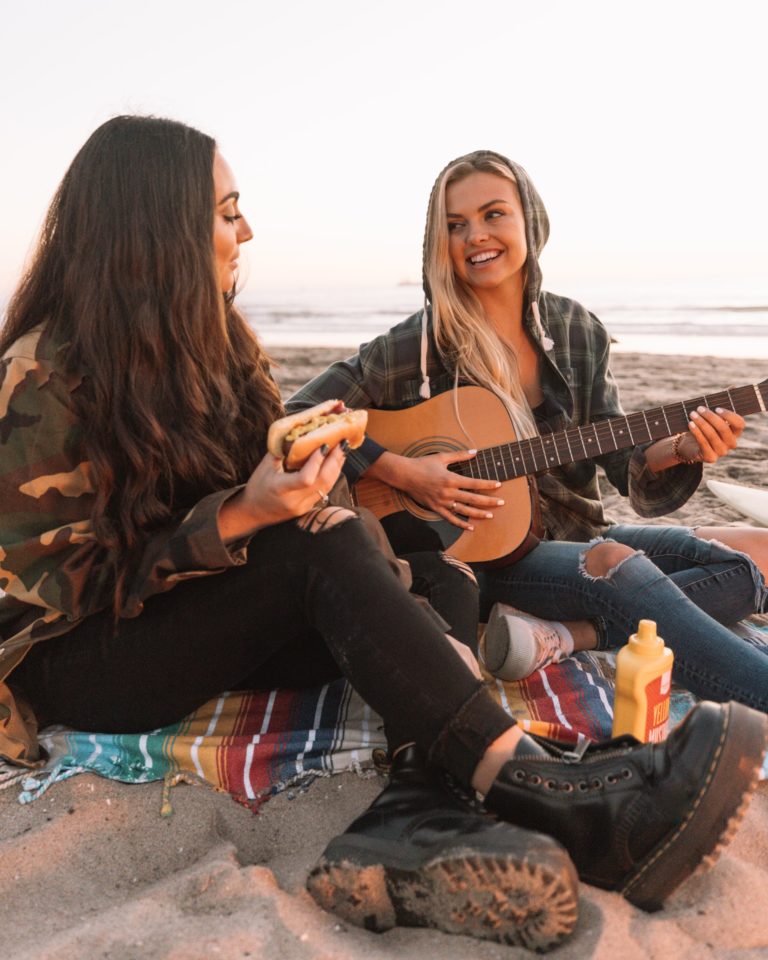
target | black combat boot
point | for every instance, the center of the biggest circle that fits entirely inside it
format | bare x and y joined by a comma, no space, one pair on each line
639,818
420,856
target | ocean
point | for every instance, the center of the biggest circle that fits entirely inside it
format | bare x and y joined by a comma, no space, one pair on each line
663,319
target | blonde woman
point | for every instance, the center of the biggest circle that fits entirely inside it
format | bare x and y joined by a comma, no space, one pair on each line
488,322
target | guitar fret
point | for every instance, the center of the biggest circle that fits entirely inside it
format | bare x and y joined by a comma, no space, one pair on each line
522,468
596,432
554,454
641,424
533,455
593,439
498,464
531,441
568,444
487,461
580,435
665,419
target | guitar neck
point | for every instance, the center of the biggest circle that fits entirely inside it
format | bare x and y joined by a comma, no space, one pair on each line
542,452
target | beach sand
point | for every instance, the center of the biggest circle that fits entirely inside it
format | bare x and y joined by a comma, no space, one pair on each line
91,870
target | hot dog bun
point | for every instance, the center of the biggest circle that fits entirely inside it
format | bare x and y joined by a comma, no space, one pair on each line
296,437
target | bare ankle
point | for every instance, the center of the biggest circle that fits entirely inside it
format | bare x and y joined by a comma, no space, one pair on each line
494,758
583,632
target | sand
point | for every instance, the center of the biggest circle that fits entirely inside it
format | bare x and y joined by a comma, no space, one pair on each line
91,870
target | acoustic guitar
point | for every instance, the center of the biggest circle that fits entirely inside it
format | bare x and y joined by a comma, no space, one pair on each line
475,418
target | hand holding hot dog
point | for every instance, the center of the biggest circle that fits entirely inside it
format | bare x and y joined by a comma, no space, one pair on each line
278,489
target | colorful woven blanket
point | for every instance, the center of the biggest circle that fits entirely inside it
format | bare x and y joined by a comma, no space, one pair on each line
254,745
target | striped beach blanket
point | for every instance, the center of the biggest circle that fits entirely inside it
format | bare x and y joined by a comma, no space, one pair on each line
255,744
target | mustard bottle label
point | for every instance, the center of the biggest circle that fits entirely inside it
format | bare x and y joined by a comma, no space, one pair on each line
657,713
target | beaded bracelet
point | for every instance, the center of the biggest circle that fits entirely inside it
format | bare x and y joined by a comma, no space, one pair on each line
676,452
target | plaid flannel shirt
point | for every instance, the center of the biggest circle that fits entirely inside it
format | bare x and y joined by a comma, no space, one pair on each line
578,388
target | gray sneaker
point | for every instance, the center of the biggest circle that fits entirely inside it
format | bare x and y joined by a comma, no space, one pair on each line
517,644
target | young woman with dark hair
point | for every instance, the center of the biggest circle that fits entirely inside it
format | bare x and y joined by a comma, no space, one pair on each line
153,554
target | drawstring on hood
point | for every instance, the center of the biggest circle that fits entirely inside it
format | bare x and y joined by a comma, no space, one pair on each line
536,235
546,341
425,391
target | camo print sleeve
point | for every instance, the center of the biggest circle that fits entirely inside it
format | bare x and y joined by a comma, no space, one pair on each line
49,557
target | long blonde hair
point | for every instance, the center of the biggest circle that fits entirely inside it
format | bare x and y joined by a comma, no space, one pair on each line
467,342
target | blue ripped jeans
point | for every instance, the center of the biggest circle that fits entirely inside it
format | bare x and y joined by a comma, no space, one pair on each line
692,588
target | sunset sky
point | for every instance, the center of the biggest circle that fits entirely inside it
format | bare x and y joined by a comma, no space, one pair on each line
641,124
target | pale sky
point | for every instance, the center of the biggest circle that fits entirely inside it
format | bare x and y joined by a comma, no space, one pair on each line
642,125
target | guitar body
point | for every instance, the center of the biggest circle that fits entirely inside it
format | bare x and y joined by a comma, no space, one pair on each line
482,423
433,427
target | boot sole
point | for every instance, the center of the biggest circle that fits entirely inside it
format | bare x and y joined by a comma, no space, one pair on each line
490,896
715,814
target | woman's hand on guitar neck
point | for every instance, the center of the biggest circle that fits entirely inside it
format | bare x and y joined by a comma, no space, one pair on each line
711,435
429,482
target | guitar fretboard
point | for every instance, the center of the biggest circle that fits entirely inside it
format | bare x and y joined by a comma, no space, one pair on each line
542,452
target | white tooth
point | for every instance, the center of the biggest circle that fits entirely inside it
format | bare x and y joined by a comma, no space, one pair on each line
482,257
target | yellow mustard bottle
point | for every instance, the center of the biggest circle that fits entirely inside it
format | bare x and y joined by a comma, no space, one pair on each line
643,681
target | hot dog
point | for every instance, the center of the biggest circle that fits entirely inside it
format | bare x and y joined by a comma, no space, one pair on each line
296,437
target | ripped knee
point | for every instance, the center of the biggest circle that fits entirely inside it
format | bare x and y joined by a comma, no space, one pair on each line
601,559
463,568
321,519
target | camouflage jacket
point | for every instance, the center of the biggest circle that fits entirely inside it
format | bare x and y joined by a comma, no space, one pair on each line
52,569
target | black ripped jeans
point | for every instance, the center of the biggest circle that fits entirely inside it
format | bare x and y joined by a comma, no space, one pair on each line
304,608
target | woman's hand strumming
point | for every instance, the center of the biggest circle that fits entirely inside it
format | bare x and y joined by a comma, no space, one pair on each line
272,496
428,480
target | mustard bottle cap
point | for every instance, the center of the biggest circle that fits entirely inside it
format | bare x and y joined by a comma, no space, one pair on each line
646,639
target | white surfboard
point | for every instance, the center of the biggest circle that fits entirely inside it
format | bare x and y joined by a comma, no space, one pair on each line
751,501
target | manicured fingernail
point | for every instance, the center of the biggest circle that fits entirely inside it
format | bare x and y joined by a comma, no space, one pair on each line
325,449
500,503
719,410
701,409
489,516
498,484
472,452
692,424
694,415
470,527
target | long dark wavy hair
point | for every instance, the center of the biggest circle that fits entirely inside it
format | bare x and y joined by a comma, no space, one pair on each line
177,394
